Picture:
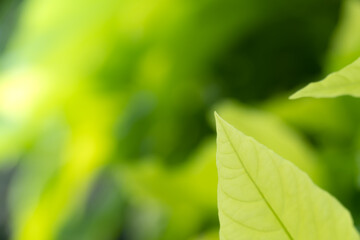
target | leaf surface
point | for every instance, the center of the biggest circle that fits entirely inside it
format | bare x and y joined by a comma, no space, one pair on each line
263,196
275,134
343,82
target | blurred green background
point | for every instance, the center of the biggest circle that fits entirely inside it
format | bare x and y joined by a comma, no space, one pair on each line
106,109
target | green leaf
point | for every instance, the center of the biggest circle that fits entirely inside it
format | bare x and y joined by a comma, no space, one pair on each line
344,82
275,134
263,196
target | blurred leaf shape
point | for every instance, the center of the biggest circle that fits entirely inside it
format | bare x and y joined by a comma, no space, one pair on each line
344,82
345,45
63,186
263,196
308,115
186,194
332,138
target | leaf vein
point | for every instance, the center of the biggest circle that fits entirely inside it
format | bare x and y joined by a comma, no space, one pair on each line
256,186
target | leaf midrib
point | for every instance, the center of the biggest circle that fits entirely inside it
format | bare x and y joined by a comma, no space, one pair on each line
256,186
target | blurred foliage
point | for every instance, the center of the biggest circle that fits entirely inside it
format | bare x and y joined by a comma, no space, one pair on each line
105,105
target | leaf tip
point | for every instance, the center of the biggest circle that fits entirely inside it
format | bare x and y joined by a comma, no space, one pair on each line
218,119
296,95
220,122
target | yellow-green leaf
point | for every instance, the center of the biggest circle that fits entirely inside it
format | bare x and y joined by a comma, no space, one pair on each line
272,132
263,196
344,82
